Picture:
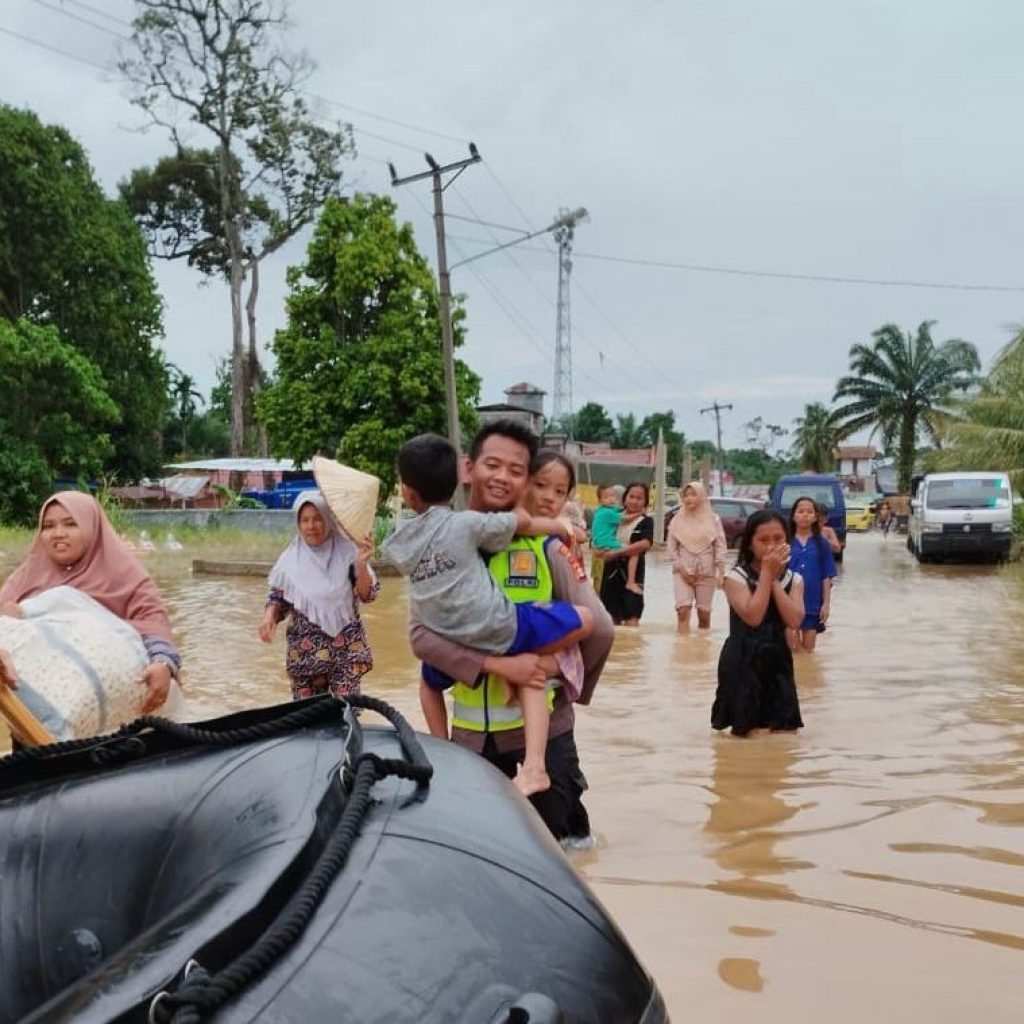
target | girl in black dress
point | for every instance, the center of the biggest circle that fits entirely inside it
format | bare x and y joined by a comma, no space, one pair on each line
756,689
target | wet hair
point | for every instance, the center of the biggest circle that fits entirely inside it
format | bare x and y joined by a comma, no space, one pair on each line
643,487
429,465
820,509
511,429
745,555
548,455
815,526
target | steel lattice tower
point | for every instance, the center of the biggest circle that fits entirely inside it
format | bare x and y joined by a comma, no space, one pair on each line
561,412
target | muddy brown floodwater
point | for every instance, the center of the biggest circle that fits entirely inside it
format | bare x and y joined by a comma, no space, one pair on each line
870,867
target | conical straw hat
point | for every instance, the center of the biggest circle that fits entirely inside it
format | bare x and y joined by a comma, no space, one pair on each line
350,493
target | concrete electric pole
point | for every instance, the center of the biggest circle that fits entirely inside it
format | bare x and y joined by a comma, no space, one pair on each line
718,410
561,407
444,284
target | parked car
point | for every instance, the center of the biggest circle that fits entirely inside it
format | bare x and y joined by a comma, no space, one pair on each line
824,488
962,514
860,515
732,511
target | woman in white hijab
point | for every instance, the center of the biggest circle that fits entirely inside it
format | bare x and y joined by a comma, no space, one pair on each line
696,545
319,580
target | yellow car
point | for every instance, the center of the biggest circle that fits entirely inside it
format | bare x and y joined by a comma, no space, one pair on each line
859,516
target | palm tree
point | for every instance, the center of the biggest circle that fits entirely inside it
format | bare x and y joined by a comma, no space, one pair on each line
183,394
901,385
815,436
989,433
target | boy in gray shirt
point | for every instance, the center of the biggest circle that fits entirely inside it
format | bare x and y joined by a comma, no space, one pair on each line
453,593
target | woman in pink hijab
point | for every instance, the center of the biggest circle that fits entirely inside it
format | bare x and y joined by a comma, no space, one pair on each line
696,545
76,546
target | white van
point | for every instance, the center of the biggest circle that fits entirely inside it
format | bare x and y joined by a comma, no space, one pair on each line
961,514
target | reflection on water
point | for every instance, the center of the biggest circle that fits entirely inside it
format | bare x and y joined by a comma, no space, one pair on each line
871,864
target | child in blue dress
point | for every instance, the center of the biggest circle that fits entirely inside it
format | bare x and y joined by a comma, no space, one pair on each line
810,557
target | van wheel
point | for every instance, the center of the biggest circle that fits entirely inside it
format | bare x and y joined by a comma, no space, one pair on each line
922,558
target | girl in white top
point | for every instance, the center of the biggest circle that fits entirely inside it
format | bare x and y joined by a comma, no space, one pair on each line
696,545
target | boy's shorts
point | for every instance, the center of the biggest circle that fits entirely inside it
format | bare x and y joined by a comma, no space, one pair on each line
538,625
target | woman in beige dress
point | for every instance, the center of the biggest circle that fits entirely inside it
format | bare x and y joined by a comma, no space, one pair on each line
696,545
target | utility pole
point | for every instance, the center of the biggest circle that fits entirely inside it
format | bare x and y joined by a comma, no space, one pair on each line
718,410
444,284
561,411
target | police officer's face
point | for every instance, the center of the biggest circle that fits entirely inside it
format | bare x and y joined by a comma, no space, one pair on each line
499,474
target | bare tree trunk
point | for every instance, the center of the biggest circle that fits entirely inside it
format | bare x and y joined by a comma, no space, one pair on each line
255,384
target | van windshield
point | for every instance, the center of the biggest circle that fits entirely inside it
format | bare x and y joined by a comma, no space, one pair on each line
992,493
823,494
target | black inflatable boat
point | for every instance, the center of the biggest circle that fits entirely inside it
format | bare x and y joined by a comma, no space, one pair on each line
290,865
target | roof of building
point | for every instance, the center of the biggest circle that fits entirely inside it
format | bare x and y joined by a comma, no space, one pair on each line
240,465
524,389
507,407
857,451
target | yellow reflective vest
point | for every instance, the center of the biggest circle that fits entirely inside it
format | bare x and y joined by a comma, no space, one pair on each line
523,573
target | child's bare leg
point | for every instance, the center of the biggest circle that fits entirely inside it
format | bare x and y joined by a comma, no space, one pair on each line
532,776
631,583
808,638
683,618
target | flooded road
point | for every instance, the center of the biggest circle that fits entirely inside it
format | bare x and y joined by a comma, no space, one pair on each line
871,866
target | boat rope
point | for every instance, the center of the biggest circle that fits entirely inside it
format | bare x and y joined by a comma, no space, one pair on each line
127,742
200,993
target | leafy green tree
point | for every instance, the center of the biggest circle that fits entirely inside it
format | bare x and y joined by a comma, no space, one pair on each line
627,432
987,430
815,437
55,416
359,364
665,424
901,386
217,63
592,423
72,258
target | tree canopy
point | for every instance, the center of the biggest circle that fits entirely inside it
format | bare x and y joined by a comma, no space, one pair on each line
815,437
55,416
218,64
901,386
987,430
359,367
592,423
72,258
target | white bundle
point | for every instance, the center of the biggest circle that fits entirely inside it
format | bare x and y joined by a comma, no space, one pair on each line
78,664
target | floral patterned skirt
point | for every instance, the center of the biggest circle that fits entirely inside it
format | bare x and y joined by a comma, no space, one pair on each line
317,663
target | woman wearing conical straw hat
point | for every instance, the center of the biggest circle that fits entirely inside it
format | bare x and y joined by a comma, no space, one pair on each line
318,584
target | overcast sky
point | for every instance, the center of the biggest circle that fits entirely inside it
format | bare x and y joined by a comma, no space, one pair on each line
873,140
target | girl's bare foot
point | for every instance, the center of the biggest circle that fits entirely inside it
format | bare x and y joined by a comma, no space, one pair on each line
531,780
635,588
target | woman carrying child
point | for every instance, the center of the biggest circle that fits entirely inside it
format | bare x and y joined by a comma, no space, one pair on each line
696,546
319,581
622,583
756,688
812,558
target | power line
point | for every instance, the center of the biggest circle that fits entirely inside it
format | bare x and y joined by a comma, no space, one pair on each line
99,11
80,19
784,276
53,49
